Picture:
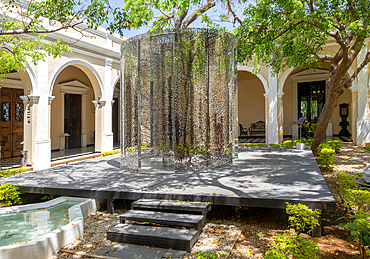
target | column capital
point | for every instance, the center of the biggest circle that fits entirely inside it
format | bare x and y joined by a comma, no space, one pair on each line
99,102
108,62
30,98
280,94
50,99
266,96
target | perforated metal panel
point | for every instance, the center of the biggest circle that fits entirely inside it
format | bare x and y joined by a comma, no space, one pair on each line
178,101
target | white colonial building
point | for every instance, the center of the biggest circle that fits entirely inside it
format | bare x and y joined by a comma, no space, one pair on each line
72,102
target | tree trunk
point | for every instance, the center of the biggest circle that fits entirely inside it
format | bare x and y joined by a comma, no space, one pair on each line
325,116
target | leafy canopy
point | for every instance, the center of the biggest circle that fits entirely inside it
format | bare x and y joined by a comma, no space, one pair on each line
291,33
24,25
163,14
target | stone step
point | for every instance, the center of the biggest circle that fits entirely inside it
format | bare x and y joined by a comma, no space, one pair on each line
163,218
188,206
163,237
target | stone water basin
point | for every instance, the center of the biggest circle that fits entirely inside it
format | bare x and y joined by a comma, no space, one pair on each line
40,230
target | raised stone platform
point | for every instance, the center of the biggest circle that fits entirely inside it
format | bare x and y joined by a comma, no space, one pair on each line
258,178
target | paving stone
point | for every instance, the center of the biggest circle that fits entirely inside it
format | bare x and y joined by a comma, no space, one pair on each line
175,219
163,237
130,251
200,207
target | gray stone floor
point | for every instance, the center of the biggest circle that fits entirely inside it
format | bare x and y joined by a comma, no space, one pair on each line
259,178
129,251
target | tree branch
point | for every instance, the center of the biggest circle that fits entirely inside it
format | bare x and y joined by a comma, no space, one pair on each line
26,30
236,18
359,68
191,18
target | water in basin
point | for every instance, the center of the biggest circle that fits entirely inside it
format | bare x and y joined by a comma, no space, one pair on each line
17,228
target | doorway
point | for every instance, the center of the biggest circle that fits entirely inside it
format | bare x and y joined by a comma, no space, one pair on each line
11,122
72,120
311,100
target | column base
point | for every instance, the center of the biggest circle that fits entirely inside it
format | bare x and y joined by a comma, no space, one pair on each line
273,133
42,155
329,131
363,131
107,142
83,140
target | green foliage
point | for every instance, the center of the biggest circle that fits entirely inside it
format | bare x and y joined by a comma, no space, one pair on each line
358,227
301,218
161,15
288,144
275,145
302,140
20,18
367,148
322,146
9,195
357,201
210,255
14,171
108,153
309,126
291,246
48,197
326,158
335,144
309,142
292,33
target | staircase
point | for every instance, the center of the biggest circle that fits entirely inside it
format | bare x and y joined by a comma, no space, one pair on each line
169,224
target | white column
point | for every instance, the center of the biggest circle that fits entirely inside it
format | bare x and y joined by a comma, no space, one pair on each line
62,136
295,111
107,140
42,155
280,117
273,127
99,125
83,121
363,121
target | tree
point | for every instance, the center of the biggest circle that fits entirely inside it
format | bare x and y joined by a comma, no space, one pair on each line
162,14
23,27
292,33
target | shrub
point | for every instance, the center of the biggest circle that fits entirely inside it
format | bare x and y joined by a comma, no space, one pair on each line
9,194
322,146
290,246
367,148
14,171
210,255
309,141
301,218
262,145
335,144
275,145
327,157
108,153
288,144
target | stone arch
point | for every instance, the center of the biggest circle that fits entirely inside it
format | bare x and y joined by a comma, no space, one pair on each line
290,70
249,95
88,69
259,76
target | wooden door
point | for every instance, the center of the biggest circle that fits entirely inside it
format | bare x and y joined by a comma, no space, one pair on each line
73,119
11,122
115,120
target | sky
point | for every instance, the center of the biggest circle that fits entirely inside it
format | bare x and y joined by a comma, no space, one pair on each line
195,24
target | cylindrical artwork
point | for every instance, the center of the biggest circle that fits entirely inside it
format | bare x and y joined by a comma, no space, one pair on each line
178,101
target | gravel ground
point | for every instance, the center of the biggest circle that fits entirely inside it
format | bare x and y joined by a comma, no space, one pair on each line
247,232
